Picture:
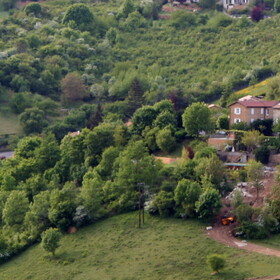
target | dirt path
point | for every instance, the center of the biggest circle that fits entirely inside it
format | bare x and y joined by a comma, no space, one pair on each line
223,235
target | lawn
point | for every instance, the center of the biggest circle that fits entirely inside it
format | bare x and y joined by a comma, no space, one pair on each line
116,249
9,123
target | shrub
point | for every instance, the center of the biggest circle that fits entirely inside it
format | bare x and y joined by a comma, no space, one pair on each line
216,262
262,154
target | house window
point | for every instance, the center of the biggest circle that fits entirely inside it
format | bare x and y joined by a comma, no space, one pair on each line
267,112
236,120
252,111
237,111
261,110
252,120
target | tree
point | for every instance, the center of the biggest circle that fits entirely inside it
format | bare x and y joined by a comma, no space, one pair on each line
127,8
207,4
32,120
80,14
62,206
143,117
36,219
164,119
212,168
50,240
216,262
251,139
135,97
209,203
223,122
277,6
197,118
7,4
91,194
262,154
255,174
33,8
182,19
186,195
15,209
165,140
72,88
257,13
164,203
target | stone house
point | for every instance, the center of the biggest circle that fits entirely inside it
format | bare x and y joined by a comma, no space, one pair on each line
250,110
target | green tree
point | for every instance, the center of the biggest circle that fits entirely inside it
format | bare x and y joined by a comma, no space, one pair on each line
164,119
197,118
36,219
211,168
252,139
164,203
127,8
62,206
33,120
143,117
182,19
186,195
50,240
255,174
277,6
223,122
208,204
216,262
244,213
165,140
80,14
33,8
92,195
15,209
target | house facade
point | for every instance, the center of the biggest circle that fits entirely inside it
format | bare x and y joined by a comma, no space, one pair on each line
250,110
229,4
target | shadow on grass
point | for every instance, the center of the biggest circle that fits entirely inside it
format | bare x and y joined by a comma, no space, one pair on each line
228,274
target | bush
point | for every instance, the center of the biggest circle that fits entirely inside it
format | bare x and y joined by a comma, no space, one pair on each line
262,154
216,262
252,230
33,8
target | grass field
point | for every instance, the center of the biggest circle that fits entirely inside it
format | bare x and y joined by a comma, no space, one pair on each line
9,123
116,249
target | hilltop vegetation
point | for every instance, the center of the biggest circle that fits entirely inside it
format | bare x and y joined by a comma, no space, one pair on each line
45,51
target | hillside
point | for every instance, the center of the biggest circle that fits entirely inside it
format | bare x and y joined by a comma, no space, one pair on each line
117,249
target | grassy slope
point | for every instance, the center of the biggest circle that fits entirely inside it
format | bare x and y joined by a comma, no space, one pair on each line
116,249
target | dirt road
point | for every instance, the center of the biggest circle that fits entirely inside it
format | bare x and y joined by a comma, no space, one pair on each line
223,235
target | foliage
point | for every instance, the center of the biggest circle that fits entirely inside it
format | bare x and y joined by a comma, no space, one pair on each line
208,204
251,139
33,8
50,240
182,19
165,140
255,174
216,262
80,14
186,195
257,13
197,118
262,154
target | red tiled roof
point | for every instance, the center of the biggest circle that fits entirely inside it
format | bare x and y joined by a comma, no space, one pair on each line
257,104
277,106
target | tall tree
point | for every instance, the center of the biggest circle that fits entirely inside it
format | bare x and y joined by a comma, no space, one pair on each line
72,88
197,118
255,174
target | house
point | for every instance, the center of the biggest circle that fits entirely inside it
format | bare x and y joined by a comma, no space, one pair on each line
229,4
253,109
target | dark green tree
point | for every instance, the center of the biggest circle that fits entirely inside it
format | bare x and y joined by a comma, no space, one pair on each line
80,14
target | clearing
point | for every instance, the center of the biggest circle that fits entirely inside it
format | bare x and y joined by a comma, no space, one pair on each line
116,249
